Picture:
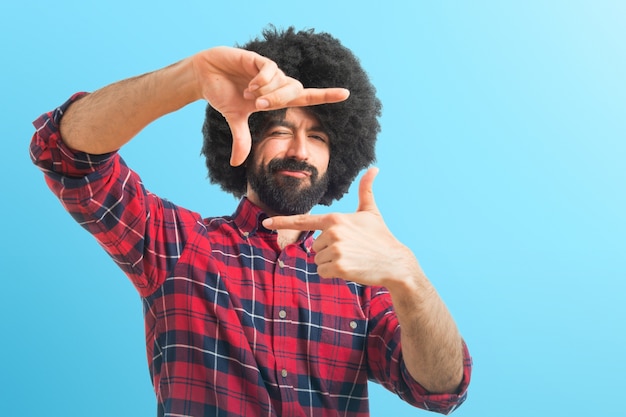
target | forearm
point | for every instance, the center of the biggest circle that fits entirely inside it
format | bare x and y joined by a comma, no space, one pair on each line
431,344
110,117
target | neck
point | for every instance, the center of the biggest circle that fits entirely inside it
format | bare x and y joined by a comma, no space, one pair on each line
287,237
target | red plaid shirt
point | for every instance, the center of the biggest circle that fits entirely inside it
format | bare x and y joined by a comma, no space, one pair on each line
234,325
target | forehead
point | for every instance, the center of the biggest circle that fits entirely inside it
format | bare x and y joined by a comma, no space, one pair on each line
293,115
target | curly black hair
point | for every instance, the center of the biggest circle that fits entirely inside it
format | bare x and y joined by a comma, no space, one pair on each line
317,60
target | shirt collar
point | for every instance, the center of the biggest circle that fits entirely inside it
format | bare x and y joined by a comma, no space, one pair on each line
249,217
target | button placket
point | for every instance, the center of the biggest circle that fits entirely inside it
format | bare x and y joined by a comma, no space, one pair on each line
282,288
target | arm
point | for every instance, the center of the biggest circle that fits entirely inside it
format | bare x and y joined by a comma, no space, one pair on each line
236,82
105,120
431,343
103,194
359,247
136,228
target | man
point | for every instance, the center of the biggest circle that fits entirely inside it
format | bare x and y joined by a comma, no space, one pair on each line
249,314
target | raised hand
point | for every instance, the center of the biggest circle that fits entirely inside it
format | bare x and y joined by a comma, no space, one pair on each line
356,246
238,83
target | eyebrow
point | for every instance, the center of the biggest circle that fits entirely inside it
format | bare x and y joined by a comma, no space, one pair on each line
288,124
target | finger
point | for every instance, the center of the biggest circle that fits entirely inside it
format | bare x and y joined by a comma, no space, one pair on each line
326,271
315,96
323,255
302,222
279,93
291,94
275,90
273,93
366,194
264,85
242,141
265,71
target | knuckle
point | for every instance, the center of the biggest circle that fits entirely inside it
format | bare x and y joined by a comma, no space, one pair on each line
301,220
334,234
340,269
334,218
324,272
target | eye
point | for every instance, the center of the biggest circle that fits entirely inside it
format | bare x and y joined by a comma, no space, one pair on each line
320,138
279,132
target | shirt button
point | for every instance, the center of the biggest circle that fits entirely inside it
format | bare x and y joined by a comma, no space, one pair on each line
281,263
246,234
282,314
353,325
283,373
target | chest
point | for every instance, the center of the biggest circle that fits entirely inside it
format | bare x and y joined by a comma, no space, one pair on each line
271,300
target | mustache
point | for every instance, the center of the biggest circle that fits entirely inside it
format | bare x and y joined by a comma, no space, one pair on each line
289,164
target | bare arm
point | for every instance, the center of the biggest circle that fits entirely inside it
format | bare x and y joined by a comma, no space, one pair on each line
359,247
110,117
236,82
431,343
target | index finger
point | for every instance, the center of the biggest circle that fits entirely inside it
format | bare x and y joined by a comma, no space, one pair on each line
292,94
315,96
302,222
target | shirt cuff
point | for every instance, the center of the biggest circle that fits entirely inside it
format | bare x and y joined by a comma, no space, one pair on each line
51,154
441,403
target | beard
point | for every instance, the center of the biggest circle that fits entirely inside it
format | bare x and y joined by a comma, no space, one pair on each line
286,195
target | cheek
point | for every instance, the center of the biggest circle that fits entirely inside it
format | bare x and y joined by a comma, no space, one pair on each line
323,169
268,149
324,161
259,154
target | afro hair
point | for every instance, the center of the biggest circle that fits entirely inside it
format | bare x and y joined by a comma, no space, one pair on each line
317,60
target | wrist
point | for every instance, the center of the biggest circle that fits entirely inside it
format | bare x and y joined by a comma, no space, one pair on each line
182,80
407,276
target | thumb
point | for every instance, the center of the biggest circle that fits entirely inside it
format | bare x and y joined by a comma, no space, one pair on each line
366,194
242,141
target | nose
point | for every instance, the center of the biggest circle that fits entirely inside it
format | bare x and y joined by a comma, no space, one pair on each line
298,148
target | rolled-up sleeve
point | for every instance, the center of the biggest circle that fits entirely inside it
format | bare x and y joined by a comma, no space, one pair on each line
51,155
387,366
144,234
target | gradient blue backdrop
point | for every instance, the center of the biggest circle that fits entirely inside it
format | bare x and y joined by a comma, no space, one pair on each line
501,165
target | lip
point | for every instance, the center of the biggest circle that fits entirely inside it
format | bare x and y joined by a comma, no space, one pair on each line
294,174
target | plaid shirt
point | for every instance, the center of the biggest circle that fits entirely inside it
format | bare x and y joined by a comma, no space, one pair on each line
235,325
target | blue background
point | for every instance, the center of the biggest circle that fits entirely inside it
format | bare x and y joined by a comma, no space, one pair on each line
501,165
